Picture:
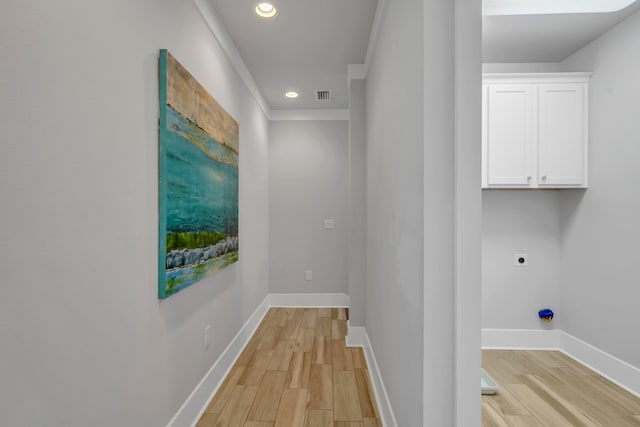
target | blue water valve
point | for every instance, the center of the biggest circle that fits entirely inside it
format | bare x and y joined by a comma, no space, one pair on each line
546,314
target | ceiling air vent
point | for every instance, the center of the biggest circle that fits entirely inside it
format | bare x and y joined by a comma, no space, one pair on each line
323,95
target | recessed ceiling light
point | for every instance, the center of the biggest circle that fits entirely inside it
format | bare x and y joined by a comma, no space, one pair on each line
266,10
291,94
542,7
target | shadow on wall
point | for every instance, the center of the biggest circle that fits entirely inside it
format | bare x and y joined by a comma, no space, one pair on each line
569,207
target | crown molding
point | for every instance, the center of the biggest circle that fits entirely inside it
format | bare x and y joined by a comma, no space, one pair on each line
373,36
334,114
213,21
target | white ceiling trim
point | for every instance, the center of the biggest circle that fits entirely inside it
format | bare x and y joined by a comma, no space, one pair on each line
373,37
547,7
211,18
334,114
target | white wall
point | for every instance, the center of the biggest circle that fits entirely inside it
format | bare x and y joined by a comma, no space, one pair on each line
601,231
423,210
357,258
308,183
439,213
85,340
468,211
394,304
520,221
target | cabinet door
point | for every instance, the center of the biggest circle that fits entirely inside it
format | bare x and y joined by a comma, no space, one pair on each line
510,134
561,134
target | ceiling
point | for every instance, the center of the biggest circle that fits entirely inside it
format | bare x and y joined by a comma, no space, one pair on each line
544,38
307,47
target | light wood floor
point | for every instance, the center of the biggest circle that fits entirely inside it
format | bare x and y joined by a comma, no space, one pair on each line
548,388
296,371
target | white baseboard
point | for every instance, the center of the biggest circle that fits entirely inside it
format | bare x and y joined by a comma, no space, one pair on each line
195,405
521,339
357,337
618,371
309,300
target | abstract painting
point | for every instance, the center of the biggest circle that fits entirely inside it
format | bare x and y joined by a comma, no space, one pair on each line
198,181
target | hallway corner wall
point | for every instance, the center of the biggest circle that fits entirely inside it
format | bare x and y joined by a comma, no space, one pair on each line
357,202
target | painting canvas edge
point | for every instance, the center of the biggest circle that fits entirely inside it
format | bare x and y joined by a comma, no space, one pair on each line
162,173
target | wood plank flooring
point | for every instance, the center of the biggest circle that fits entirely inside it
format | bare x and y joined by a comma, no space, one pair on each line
548,388
296,371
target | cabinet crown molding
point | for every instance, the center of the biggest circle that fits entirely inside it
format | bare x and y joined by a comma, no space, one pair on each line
519,78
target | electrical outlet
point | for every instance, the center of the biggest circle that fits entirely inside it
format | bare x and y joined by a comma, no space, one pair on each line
329,224
206,336
520,260
309,275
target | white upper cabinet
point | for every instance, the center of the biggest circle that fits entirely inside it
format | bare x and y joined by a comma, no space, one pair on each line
562,142
510,143
534,130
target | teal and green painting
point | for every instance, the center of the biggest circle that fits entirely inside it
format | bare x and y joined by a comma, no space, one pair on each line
198,181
